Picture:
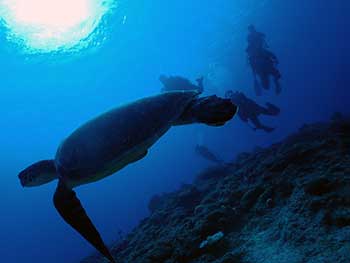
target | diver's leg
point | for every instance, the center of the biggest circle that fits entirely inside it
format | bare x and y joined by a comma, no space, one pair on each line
265,80
260,126
276,76
256,122
263,111
257,86
271,110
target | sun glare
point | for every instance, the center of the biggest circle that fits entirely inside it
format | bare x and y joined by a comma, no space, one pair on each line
52,25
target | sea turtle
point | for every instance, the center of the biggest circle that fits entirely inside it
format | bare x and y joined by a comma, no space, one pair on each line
113,140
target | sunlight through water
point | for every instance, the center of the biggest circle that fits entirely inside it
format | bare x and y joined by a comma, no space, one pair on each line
41,26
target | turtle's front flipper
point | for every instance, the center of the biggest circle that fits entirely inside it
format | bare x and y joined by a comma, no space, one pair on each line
70,208
210,110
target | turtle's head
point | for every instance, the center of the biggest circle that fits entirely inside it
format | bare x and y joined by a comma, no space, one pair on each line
37,174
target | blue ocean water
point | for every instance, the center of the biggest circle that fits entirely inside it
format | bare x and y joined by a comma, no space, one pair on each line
44,97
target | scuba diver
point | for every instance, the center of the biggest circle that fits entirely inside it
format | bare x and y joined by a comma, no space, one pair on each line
204,152
174,83
256,40
250,110
262,61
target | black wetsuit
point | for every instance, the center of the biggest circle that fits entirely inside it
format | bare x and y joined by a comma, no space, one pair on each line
250,110
262,61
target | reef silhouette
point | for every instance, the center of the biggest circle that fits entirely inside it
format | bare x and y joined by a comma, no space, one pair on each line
289,202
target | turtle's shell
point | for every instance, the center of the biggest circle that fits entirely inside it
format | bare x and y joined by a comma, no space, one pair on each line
116,138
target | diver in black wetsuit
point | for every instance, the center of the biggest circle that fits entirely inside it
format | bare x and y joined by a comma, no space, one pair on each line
174,83
262,61
207,154
250,110
256,40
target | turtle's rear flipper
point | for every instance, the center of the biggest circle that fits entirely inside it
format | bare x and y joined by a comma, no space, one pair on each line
210,110
70,208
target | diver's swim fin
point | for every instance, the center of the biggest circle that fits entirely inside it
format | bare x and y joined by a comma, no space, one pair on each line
264,128
71,210
272,109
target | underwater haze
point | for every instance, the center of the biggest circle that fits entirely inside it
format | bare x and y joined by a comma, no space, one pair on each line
46,94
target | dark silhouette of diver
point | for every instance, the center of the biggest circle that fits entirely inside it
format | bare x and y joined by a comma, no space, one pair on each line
174,83
207,154
250,110
256,40
262,61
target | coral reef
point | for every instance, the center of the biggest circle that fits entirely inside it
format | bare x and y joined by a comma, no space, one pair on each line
288,203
